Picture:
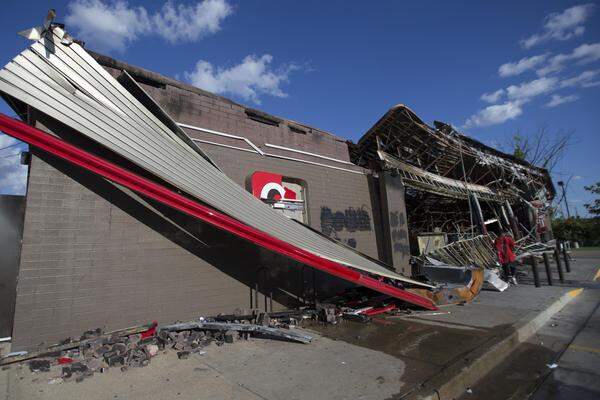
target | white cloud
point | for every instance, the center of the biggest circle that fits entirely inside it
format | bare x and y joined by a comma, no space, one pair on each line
524,64
557,100
13,175
520,94
528,90
496,114
586,79
253,77
584,54
492,97
107,25
114,25
561,26
190,22
6,140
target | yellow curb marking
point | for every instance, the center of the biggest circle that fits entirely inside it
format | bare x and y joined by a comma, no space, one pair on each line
597,276
575,292
585,348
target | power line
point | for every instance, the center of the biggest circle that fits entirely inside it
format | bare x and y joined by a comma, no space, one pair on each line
10,155
10,145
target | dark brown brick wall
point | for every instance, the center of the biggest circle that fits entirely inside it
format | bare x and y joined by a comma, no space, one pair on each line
85,263
88,262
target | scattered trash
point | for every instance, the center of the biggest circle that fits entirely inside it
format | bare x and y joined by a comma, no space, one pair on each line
552,366
469,391
493,281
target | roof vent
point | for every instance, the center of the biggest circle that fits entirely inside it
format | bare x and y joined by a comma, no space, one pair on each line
262,117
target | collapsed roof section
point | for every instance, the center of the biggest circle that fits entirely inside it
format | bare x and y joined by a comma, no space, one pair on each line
60,79
444,161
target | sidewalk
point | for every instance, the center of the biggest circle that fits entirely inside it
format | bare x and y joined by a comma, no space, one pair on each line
394,357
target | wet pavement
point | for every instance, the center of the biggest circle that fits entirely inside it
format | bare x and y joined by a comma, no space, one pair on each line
569,342
425,349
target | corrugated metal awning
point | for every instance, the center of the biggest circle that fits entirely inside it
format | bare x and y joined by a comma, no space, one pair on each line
66,83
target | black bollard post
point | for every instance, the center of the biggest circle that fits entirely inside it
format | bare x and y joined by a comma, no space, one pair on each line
559,265
566,257
536,275
548,270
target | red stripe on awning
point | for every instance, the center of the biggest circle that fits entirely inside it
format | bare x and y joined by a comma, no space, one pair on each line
114,173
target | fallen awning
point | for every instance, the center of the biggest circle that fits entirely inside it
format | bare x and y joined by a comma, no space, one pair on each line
60,79
115,173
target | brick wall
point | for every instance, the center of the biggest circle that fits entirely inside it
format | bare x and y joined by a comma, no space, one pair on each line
94,256
86,263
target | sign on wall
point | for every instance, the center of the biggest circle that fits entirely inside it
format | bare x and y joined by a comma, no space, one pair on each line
281,193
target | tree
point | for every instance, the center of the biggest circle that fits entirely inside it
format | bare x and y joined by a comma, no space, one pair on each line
594,208
542,149
586,231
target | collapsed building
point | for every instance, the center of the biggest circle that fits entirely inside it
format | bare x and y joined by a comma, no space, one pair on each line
150,199
455,186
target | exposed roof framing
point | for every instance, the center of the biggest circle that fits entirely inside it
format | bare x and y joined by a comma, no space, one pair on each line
424,180
447,153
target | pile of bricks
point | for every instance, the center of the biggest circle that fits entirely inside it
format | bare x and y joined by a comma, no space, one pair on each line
96,351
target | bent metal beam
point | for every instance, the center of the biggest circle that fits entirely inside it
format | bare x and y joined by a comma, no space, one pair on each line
122,176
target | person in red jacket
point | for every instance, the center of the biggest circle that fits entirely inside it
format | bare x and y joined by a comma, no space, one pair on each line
505,246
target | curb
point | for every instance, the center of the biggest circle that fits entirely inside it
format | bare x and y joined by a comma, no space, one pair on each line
484,360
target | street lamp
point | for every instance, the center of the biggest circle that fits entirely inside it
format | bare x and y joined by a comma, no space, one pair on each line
564,195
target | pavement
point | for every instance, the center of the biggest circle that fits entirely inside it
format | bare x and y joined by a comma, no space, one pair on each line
498,345
577,372
546,366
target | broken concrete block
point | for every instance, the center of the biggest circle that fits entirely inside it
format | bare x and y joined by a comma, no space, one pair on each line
178,346
39,365
91,334
263,319
95,364
120,348
66,373
152,349
115,360
78,367
230,336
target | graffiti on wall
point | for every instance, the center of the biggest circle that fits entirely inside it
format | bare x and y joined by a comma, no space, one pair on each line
351,219
399,233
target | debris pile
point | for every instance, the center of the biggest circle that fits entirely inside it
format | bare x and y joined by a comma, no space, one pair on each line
97,351
359,305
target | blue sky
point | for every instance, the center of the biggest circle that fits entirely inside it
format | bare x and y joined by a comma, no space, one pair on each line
491,68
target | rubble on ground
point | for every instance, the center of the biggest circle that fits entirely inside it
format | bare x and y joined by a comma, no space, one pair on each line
97,351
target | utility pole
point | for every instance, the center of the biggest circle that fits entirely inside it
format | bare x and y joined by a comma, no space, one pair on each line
564,195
